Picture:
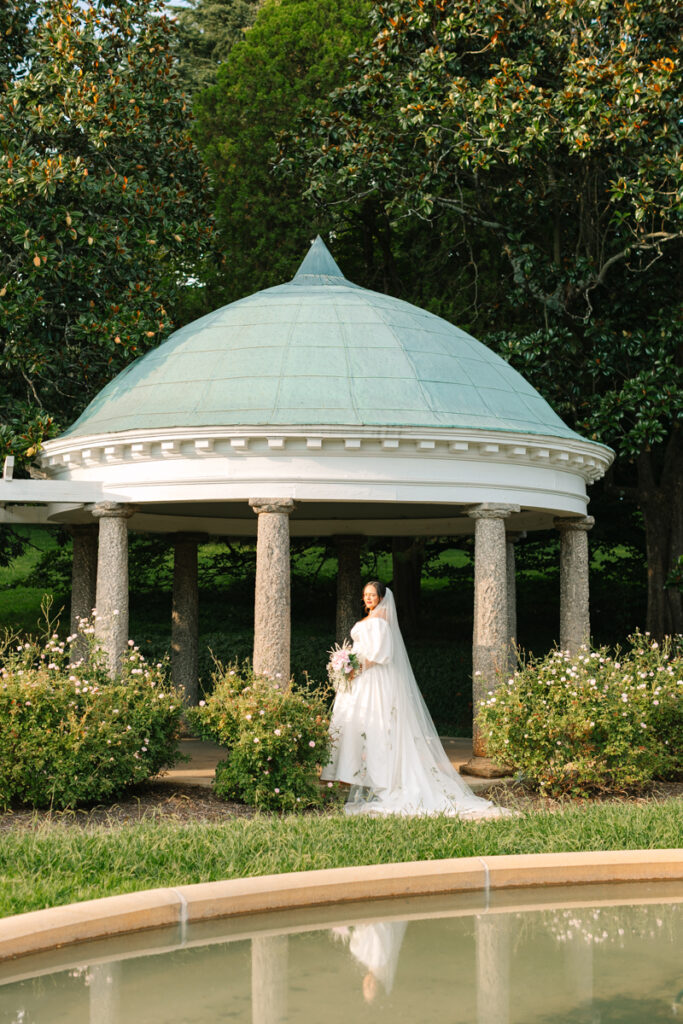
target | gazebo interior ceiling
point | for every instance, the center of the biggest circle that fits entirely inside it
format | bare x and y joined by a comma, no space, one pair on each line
311,518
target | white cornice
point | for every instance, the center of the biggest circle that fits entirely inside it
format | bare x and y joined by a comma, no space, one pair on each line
65,456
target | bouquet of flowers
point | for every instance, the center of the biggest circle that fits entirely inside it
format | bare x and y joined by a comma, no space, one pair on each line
340,666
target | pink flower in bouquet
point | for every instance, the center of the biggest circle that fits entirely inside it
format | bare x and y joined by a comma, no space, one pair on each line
340,660
340,666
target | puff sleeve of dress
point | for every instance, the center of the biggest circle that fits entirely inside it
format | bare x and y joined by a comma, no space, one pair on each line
372,640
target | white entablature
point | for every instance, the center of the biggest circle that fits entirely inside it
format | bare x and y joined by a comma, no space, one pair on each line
73,457
335,472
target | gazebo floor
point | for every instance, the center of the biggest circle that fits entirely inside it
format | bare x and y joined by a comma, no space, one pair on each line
204,756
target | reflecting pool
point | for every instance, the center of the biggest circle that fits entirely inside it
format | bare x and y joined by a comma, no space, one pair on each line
580,955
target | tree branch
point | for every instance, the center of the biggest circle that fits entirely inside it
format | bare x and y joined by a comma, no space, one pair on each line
30,384
660,236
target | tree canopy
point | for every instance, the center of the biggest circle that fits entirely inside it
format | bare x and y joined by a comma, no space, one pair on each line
555,126
553,131
294,54
104,204
208,30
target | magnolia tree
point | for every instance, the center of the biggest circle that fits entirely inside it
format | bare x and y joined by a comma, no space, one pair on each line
553,131
104,214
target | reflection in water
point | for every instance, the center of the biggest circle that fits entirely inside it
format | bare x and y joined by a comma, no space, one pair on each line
598,964
376,947
492,937
579,974
269,963
616,925
103,984
582,931
620,1009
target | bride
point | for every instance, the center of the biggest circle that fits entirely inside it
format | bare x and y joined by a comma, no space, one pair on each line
384,741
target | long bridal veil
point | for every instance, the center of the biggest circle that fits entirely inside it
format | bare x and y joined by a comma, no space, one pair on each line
423,781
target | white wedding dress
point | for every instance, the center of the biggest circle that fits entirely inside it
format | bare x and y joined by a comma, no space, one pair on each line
384,741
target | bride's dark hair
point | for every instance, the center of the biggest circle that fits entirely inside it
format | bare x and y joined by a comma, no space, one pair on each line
379,587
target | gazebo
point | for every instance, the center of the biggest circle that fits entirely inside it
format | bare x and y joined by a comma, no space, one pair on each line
315,408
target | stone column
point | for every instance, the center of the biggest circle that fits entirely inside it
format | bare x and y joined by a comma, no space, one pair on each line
269,962
348,583
185,617
111,622
272,607
575,627
492,937
490,647
512,537
83,579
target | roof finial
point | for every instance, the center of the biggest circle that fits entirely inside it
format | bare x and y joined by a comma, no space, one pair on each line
318,262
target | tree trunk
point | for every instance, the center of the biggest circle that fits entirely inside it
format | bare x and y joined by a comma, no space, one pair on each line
661,502
407,555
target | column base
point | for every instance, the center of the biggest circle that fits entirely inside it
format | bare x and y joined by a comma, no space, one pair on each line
485,768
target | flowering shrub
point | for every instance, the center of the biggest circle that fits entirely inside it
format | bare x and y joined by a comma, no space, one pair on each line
277,740
71,735
592,723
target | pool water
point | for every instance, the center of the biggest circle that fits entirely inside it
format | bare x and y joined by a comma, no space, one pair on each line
590,955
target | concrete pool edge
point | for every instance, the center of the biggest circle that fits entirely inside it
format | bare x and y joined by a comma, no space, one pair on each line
40,930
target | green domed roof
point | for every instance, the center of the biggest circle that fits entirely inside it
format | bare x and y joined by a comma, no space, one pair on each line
320,350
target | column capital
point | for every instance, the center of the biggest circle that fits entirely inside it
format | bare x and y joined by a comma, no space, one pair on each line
577,523
514,536
111,510
492,510
285,506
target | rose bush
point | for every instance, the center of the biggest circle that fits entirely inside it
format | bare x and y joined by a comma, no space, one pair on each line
69,734
592,723
277,740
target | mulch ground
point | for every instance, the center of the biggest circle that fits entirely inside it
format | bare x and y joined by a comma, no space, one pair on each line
520,798
156,800
184,804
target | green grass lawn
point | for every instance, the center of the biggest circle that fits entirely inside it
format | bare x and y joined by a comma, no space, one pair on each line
54,863
20,604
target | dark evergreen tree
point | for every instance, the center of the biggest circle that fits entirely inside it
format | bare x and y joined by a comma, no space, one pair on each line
208,30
